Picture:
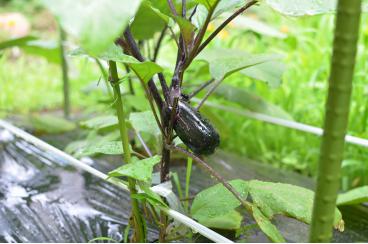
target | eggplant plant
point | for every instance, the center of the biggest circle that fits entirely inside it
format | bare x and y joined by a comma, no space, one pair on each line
128,38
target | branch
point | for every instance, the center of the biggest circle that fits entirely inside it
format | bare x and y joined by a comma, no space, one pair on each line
200,36
158,44
200,88
213,173
224,24
210,91
172,7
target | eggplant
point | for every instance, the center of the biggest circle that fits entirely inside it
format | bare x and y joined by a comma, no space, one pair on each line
195,131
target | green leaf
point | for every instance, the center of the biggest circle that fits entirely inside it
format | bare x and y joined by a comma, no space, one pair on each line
144,70
289,200
31,45
186,29
109,148
50,124
21,41
304,7
209,4
96,23
147,22
270,72
355,196
217,201
257,26
139,169
100,122
151,196
230,221
227,6
251,101
224,62
78,148
145,122
266,226
270,198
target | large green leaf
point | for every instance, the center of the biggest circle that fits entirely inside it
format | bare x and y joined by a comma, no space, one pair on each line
224,62
96,23
139,169
31,45
145,122
289,200
355,196
270,198
266,226
147,22
250,101
216,202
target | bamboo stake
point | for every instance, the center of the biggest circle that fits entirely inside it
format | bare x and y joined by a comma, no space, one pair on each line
336,119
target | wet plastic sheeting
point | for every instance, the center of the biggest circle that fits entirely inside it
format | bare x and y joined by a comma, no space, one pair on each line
44,200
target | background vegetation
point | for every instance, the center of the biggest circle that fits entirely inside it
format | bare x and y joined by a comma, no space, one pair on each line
29,84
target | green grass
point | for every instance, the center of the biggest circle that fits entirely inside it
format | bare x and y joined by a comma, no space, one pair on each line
29,84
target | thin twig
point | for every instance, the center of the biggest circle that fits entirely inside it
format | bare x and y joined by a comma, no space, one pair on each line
224,24
200,88
165,88
193,13
158,44
210,91
172,7
212,172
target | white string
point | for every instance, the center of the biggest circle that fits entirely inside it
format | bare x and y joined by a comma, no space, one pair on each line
285,123
210,234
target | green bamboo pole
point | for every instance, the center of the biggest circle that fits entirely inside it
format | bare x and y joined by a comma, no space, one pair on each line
64,70
336,119
139,226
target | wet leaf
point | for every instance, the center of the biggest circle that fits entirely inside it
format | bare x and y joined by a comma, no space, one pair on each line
355,196
266,226
285,199
217,201
139,169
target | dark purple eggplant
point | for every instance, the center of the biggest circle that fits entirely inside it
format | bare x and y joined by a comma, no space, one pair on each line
195,131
